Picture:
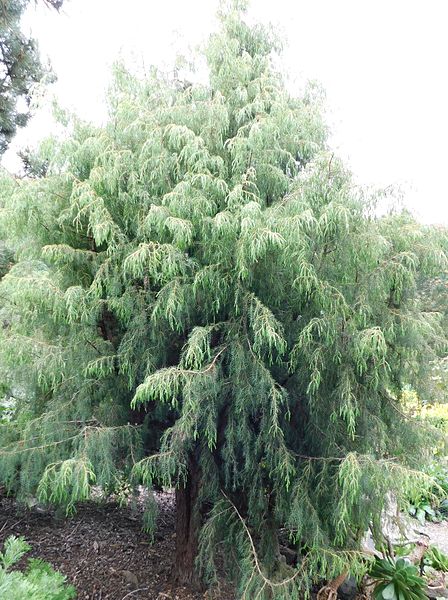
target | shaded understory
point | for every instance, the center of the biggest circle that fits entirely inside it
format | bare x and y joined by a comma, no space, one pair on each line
103,551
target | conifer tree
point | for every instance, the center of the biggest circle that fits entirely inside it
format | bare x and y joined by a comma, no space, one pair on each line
203,299
20,68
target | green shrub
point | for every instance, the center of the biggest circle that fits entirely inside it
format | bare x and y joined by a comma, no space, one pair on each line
433,506
436,414
39,582
436,559
397,580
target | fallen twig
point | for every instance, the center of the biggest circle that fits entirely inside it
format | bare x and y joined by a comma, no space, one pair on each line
16,523
75,528
134,592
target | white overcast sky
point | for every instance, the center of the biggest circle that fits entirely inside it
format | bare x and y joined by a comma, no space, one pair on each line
383,64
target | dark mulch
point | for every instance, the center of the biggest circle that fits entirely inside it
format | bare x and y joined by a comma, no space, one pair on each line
103,551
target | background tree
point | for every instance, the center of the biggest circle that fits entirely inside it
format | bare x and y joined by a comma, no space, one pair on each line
20,68
205,300
434,297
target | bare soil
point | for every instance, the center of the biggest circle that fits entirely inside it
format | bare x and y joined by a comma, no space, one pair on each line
103,551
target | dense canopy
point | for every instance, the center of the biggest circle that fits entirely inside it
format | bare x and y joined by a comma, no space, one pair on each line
204,299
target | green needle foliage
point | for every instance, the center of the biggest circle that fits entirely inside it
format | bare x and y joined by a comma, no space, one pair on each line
204,299
20,68
39,582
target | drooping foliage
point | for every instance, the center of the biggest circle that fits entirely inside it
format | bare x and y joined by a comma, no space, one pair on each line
200,286
20,68
434,296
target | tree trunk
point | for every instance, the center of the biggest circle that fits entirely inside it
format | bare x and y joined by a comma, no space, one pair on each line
187,527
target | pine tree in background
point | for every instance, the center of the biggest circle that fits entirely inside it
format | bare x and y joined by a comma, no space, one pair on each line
205,300
20,68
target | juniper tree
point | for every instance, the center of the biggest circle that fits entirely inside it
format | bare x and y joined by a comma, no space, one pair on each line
20,67
204,300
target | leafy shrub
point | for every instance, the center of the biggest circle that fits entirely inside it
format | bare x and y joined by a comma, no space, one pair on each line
434,506
121,489
436,559
422,510
39,582
433,413
436,414
397,580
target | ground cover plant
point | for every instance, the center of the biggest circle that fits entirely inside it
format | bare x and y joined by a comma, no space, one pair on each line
397,579
39,581
432,505
203,299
